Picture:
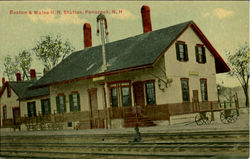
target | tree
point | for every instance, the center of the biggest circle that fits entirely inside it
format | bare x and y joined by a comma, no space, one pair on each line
52,50
24,62
19,63
10,68
239,64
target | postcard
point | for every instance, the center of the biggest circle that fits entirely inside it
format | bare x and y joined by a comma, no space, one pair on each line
124,79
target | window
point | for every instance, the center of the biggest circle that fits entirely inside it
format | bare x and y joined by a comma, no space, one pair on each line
181,51
5,112
114,98
61,104
200,54
45,103
120,93
185,89
31,107
8,91
126,97
74,100
150,92
204,89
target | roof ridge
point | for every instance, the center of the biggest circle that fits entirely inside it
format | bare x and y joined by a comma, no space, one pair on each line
135,36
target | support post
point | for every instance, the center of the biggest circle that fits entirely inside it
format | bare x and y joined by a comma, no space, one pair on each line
108,122
212,112
237,104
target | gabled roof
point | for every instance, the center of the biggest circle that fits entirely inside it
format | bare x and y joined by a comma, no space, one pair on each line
140,51
22,91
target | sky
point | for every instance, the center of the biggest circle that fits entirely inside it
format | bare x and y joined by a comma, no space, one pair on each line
225,23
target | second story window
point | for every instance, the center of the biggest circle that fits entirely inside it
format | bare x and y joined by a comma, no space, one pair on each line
8,91
74,101
200,54
181,51
31,107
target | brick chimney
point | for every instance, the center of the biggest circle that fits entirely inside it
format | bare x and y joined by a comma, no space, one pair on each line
18,76
3,81
146,20
32,74
87,35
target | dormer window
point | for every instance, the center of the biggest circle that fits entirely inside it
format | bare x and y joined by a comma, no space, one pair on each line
181,51
8,91
200,53
4,112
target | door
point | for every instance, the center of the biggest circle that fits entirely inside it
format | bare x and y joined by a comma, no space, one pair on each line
138,91
195,101
16,116
93,107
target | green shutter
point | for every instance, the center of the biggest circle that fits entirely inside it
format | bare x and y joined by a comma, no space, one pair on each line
64,103
34,108
196,54
71,102
42,107
177,51
28,109
204,60
58,104
49,106
185,52
78,102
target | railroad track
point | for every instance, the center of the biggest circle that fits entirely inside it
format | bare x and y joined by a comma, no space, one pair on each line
160,146
94,155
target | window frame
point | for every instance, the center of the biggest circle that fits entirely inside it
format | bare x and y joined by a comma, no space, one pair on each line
34,109
130,98
4,112
8,91
185,53
185,79
200,58
71,102
58,104
43,106
111,97
204,80
146,92
119,85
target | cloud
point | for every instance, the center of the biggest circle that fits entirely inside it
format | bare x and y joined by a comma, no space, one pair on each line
51,18
124,15
206,14
222,13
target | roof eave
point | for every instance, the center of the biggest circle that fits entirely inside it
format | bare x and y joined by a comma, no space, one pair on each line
94,76
29,98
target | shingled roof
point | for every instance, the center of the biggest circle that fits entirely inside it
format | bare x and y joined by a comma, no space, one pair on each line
132,52
21,88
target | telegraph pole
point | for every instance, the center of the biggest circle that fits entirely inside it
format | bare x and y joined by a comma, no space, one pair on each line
102,23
